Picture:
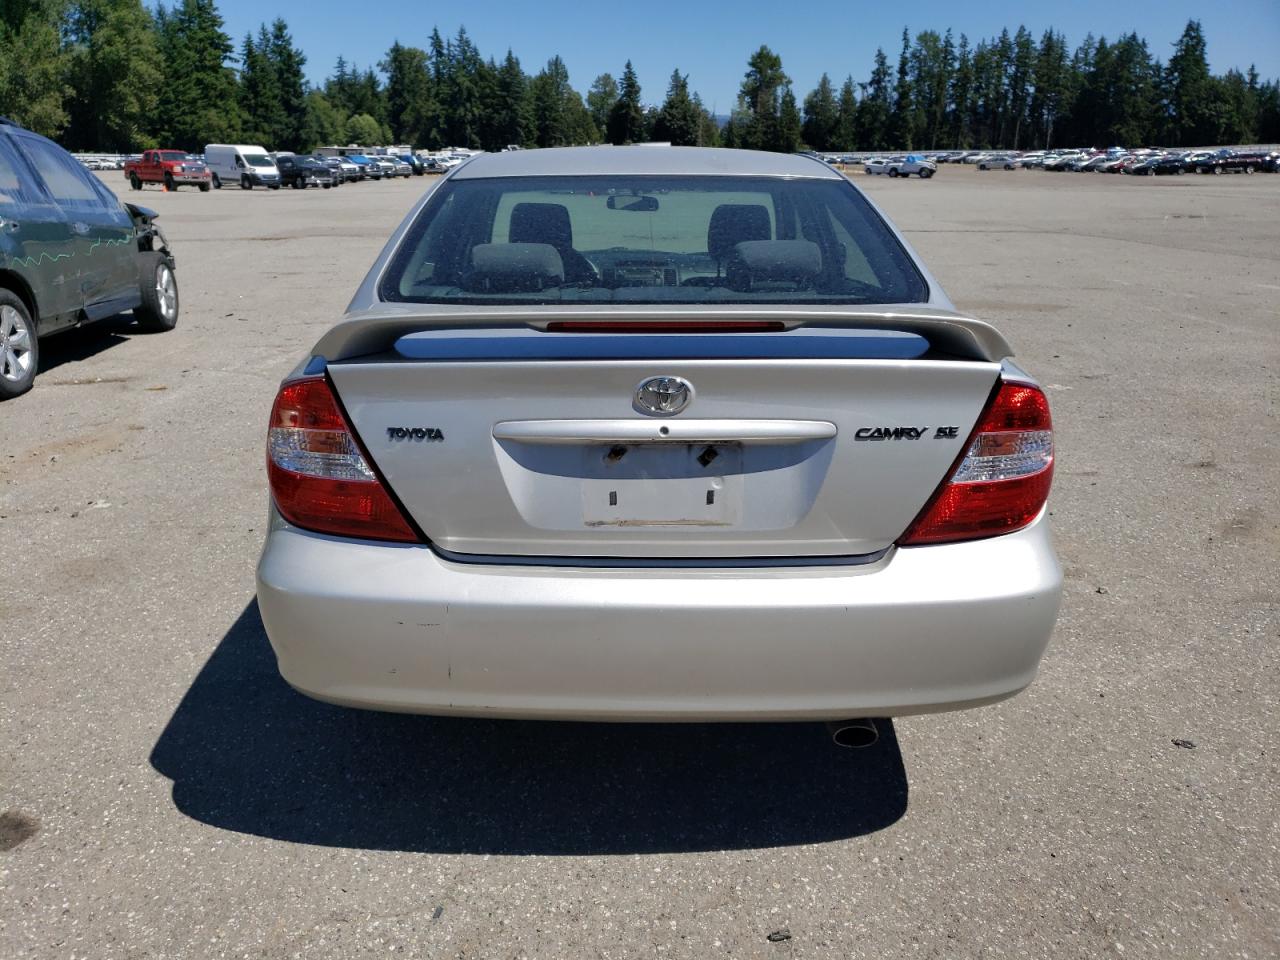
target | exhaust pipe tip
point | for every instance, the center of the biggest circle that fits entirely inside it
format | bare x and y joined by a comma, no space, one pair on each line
854,734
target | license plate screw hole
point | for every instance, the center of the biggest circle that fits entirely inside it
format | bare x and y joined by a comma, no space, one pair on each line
615,454
707,456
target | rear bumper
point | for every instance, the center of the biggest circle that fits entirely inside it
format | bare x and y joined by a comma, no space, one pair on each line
398,628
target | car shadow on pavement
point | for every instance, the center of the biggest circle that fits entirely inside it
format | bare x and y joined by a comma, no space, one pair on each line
247,753
85,342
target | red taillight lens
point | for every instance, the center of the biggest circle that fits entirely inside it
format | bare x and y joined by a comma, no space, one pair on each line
665,326
319,476
1003,481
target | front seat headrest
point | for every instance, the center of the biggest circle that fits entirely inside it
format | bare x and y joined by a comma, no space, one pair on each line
732,223
541,223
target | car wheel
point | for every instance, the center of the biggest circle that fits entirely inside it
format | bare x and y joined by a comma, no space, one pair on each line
159,290
326,185
168,183
134,182
217,184
19,347
893,171
246,183
274,186
1217,171
1248,169
926,174
204,188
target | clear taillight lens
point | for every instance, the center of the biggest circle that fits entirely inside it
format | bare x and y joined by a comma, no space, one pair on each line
1003,481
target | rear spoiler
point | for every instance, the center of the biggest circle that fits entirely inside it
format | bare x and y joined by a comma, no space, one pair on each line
376,331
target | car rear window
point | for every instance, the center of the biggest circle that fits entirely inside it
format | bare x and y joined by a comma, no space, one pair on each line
642,239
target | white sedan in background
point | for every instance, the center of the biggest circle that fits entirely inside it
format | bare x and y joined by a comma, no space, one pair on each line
902,166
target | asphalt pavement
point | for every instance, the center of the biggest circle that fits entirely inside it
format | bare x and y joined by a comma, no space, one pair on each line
163,794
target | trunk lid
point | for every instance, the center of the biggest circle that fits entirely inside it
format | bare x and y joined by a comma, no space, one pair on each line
803,443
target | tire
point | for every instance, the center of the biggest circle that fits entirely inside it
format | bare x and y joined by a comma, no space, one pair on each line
217,184
134,182
326,185
204,188
1217,171
302,184
169,184
159,289
246,183
19,347
893,171
1248,169
274,186
926,174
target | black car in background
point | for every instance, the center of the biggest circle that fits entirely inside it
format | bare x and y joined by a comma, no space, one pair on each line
302,172
1228,161
70,253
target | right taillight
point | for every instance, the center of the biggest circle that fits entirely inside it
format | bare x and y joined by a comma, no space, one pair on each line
1002,482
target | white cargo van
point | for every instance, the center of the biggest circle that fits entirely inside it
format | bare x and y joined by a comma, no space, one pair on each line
248,165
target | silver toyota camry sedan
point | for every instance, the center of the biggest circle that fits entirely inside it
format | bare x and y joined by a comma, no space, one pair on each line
657,433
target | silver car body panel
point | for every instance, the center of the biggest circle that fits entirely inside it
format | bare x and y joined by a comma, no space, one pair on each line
923,629
485,490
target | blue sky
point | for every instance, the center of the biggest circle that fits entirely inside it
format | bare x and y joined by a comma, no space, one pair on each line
711,42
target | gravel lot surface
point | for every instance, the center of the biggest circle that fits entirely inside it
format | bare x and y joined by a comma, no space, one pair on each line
164,794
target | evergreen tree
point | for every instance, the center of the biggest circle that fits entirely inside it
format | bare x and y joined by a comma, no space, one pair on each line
549,94
876,107
902,124
260,102
601,98
197,99
411,108
760,101
626,117
961,95
114,73
680,119
513,117
787,137
33,66
1192,97
287,62
821,116
846,135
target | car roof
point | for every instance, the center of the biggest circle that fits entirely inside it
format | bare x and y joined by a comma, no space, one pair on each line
642,160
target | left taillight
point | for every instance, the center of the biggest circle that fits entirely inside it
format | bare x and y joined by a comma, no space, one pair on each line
319,476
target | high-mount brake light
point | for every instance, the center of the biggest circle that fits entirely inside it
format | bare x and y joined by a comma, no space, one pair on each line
1002,482
318,474
665,326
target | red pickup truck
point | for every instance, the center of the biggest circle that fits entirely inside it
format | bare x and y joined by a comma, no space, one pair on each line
173,168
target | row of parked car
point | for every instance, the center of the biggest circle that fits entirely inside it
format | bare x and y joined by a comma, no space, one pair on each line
250,166
1147,161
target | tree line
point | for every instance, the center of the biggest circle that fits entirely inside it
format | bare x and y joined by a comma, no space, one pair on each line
117,75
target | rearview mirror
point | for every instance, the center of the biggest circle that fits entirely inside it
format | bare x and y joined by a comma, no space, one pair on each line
639,204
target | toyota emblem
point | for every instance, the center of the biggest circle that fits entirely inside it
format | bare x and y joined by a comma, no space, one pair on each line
663,396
